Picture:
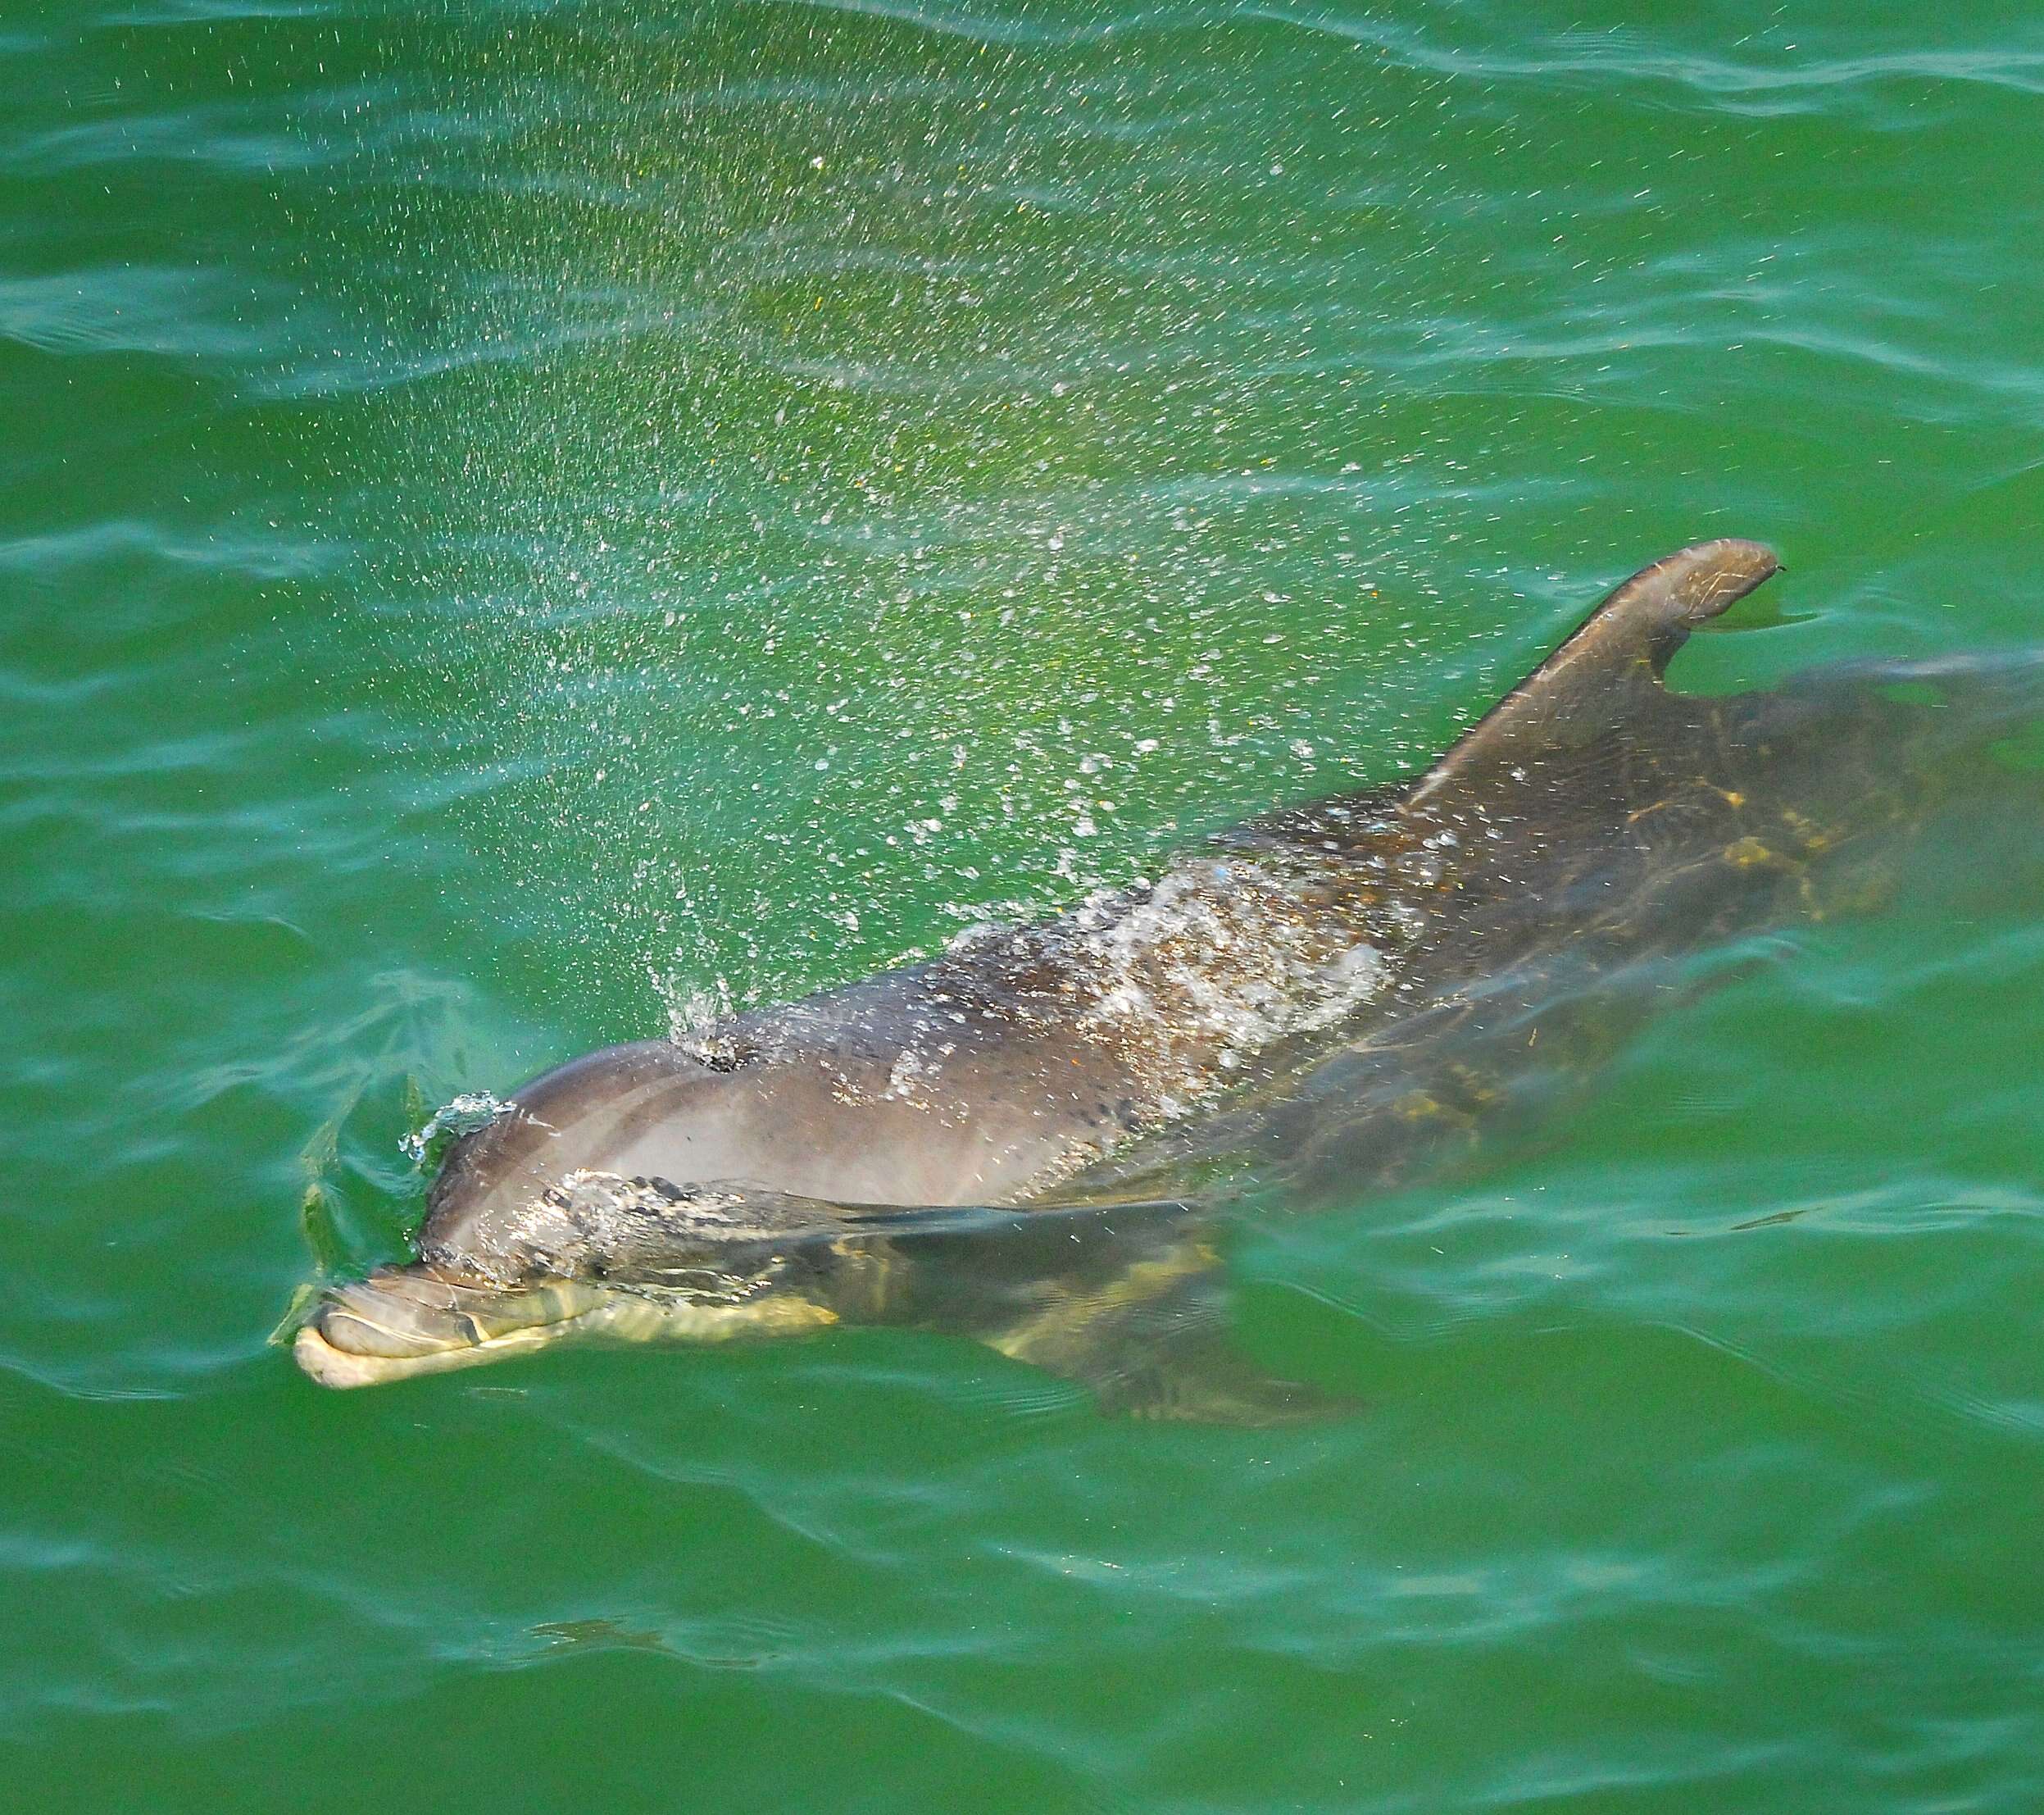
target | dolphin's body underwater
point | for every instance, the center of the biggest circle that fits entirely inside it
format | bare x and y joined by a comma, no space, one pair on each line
1344,989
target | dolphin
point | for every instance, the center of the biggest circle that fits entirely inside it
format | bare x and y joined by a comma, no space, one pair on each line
1024,1140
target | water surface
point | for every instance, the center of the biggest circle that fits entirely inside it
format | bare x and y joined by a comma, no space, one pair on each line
523,528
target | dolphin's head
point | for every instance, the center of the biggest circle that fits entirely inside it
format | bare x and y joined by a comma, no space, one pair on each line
541,1228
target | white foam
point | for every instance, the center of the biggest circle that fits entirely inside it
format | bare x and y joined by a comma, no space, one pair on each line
461,1115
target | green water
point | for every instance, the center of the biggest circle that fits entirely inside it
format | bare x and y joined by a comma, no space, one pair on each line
522,527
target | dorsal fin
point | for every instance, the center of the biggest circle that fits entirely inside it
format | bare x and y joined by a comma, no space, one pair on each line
1614,659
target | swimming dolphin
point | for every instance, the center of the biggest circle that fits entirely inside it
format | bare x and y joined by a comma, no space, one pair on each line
1008,1140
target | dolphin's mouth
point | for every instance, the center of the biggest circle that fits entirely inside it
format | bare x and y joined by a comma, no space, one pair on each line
405,1321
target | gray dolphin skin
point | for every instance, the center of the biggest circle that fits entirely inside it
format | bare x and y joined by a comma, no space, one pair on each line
1022,1140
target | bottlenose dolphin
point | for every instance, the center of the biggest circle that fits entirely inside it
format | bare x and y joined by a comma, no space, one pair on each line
1016,1140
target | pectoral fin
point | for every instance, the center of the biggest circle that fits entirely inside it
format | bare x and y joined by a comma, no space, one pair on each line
1158,1345
1212,1382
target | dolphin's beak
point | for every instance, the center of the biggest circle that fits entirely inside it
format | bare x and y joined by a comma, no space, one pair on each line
405,1321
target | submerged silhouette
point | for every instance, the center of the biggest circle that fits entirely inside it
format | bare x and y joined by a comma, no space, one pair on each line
1025,1139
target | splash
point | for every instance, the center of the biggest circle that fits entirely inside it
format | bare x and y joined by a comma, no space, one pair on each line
463,1115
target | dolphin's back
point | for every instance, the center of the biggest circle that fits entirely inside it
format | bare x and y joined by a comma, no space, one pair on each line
1358,955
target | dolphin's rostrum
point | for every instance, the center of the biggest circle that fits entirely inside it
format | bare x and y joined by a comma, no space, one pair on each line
1009,1141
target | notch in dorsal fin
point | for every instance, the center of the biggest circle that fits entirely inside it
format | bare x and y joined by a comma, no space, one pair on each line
1616,657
